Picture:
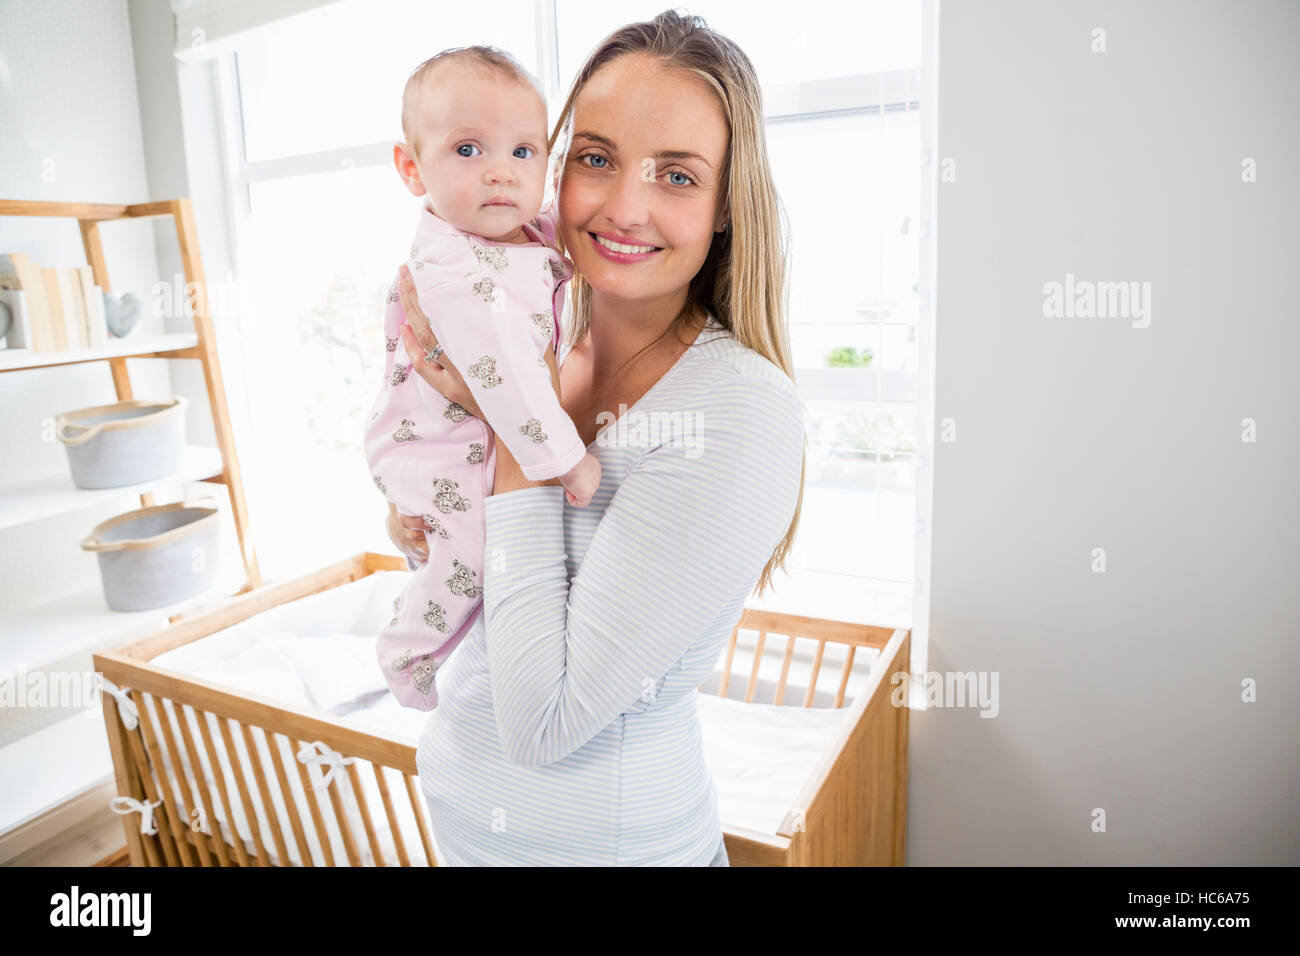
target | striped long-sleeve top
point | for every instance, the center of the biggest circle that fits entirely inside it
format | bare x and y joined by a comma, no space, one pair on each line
567,730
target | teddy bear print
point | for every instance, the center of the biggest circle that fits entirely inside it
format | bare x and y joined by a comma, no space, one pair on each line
475,453
435,618
543,322
454,412
404,431
533,429
397,607
462,581
414,251
485,288
393,296
421,673
445,498
486,369
379,483
557,270
390,344
400,372
496,258
435,527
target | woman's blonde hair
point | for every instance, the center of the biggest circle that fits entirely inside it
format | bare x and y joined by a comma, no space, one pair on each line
743,278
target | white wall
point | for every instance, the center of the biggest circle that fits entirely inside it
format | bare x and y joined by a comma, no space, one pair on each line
1118,690
72,132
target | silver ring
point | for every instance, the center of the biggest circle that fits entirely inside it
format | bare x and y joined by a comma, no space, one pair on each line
432,354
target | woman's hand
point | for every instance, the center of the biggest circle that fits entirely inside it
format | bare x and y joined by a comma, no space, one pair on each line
407,534
418,340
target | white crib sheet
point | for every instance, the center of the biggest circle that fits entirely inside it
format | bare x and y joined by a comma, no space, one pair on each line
317,653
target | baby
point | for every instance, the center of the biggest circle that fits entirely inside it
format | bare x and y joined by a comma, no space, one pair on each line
491,285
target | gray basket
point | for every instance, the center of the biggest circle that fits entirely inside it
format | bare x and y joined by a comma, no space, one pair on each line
124,443
155,556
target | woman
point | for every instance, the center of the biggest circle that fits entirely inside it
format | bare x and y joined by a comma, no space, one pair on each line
567,731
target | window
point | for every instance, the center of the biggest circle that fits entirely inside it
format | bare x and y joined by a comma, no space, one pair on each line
317,106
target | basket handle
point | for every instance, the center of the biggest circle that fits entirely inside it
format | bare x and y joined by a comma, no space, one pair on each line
177,405
93,543
61,424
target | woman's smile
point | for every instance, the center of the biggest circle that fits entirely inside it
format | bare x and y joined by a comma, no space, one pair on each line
622,252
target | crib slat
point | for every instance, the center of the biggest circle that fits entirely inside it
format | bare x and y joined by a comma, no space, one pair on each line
200,840
844,677
188,803
176,812
785,670
816,670
753,671
219,775
341,818
244,797
290,804
282,852
399,838
201,780
726,667
309,793
419,819
371,837
146,781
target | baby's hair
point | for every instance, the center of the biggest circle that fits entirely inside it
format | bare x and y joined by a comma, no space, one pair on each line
487,61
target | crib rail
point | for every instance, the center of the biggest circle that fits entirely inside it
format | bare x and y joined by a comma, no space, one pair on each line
795,628
852,811
185,806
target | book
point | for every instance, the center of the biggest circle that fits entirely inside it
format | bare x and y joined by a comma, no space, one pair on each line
80,323
94,298
71,315
17,272
54,295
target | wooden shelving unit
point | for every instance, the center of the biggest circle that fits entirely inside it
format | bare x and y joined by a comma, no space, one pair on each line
66,761
200,345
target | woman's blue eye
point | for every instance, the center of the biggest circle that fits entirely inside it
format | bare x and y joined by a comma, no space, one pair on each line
677,172
528,148
464,146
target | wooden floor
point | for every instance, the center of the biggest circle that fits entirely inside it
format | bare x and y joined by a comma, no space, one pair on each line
97,841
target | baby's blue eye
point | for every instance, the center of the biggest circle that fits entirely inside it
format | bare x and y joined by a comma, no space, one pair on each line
595,156
464,146
528,148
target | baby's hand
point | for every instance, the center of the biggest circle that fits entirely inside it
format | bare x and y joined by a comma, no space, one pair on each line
581,482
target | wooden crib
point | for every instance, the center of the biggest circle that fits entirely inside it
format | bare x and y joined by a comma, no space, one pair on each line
851,810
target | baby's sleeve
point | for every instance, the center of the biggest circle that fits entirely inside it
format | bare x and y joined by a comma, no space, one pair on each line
496,325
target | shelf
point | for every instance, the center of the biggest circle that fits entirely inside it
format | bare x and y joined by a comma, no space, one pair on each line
45,497
82,623
56,764
130,347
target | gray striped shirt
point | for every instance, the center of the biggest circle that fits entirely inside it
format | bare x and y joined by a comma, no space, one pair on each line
567,731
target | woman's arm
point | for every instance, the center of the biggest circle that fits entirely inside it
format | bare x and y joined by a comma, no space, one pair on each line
681,543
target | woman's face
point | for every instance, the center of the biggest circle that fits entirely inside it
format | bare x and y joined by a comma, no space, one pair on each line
627,179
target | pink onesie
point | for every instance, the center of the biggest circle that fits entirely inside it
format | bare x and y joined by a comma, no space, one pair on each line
494,307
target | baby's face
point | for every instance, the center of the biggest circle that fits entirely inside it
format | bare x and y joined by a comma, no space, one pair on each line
483,153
